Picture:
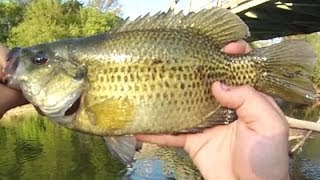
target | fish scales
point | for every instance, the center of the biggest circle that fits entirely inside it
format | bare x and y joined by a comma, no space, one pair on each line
169,82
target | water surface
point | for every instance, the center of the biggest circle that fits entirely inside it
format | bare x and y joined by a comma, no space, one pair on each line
35,148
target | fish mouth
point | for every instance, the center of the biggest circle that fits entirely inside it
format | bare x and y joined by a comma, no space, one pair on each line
11,67
68,106
74,107
72,110
69,114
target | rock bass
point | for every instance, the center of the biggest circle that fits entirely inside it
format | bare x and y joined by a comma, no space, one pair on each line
154,75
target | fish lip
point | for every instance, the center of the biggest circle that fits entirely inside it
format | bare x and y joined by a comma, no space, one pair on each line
11,67
12,61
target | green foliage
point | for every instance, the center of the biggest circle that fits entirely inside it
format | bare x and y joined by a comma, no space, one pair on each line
93,22
50,20
42,23
11,15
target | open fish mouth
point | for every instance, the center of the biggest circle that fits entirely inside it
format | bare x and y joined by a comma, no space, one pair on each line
66,107
11,67
74,107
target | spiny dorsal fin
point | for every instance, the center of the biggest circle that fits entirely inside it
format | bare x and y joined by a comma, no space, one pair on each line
221,25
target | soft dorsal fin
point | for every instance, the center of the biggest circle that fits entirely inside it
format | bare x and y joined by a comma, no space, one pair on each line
220,25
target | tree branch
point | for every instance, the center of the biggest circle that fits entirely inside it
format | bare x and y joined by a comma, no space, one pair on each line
303,124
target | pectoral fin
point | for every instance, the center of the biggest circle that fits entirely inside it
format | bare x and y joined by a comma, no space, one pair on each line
112,113
123,147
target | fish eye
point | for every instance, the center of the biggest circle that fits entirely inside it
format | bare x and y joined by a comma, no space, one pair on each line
39,58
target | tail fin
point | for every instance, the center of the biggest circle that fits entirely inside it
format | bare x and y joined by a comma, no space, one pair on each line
287,70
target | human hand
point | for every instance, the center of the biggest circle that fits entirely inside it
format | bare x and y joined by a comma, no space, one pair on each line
253,147
3,56
9,98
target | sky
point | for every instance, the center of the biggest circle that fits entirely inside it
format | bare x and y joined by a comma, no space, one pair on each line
134,8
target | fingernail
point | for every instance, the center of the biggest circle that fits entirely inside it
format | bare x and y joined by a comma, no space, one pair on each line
224,87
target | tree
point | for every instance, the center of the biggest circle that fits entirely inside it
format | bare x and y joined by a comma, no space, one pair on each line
41,23
50,20
11,15
93,22
105,5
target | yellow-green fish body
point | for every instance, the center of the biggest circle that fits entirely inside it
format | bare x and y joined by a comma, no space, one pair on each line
133,89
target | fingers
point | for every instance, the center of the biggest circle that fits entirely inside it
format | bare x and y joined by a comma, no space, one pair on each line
238,47
10,98
164,140
3,57
253,108
250,104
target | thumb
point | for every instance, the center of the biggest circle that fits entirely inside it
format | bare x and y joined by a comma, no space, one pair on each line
3,57
252,108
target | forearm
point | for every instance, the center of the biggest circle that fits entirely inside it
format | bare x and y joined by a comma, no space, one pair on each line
9,99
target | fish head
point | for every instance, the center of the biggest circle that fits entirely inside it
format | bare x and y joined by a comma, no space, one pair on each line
47,79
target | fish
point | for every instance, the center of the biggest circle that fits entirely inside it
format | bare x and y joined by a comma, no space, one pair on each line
153,75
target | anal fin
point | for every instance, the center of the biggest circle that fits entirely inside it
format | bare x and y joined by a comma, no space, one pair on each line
123,147
219,116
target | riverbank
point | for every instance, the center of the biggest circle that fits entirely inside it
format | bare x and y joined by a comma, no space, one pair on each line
18,112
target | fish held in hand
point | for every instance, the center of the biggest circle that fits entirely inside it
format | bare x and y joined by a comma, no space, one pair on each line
154,75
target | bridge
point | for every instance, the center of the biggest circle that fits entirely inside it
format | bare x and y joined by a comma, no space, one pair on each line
276,18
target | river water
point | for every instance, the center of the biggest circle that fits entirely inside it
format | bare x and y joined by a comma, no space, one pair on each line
35,148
